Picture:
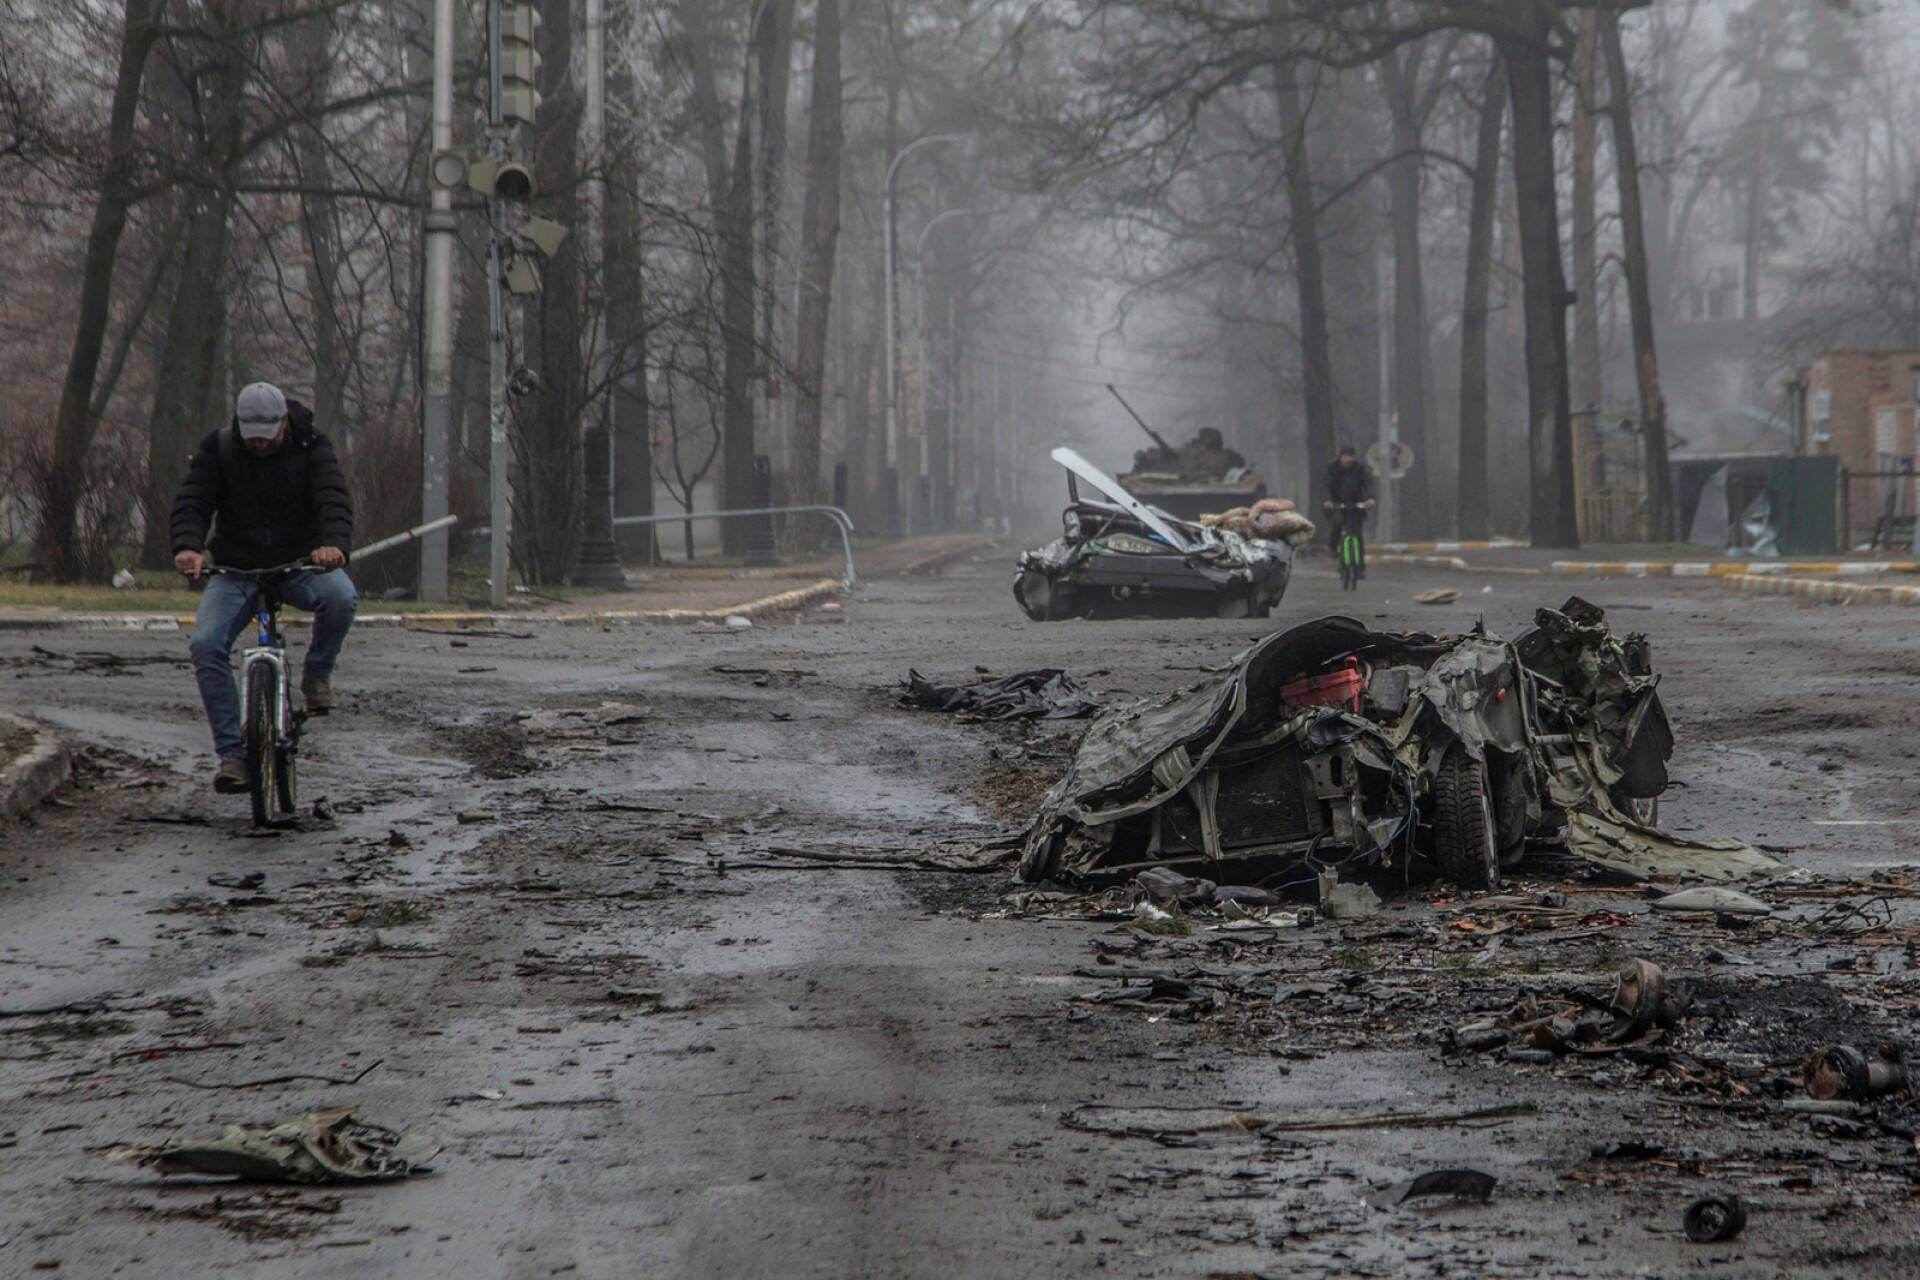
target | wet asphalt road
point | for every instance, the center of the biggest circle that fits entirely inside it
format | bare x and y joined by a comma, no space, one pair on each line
640,1065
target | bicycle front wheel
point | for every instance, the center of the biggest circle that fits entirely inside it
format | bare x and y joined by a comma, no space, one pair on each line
263,742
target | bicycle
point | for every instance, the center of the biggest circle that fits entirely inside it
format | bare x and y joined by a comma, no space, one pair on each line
1352,553
269,726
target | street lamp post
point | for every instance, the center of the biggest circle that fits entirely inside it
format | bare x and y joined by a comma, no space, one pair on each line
920,467
886,232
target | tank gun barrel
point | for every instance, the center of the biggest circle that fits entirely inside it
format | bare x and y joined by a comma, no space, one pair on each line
1115,393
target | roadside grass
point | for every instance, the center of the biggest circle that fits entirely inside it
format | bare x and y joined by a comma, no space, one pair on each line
154,591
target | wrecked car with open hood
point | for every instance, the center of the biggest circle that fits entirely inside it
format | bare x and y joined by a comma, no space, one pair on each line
1384,758
1117,556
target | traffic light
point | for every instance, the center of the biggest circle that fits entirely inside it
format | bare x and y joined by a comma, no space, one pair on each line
495,179
519,63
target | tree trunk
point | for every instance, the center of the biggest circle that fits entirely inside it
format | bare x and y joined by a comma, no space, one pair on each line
730,191
184,383
1316,360
1763,76
1552,517
320,224
1474,311
819,238
1410,380
773,54
1653,404
627,332
1586,389
547,507
737,330
56,549
1342,146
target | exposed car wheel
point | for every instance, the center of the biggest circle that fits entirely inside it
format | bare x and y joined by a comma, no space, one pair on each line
1040,860
1463,829
1507,783
1645,812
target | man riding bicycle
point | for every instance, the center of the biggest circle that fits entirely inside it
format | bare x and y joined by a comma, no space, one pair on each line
272,490
1349,490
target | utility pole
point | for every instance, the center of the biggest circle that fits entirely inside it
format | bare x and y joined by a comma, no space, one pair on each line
1389,423
436,424
512,68
500,493
598,562
907,476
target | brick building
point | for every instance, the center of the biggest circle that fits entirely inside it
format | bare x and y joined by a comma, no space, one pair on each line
1859,407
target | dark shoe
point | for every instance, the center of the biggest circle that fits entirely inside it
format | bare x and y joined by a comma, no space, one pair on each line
318,691
231,777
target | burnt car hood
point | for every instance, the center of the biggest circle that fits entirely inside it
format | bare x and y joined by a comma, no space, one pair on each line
1494,698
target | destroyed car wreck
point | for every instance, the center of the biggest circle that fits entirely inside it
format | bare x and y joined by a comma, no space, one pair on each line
1116,556
1383,758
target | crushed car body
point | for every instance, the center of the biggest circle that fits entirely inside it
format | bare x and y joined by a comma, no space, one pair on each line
1117,556
1383,757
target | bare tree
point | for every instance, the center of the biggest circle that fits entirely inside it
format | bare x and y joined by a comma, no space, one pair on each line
74,428
1472,507
1653,403
819,235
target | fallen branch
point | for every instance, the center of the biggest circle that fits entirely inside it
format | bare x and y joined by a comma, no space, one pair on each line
268,1080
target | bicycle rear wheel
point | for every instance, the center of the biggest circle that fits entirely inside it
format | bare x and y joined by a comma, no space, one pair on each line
263,742
286,783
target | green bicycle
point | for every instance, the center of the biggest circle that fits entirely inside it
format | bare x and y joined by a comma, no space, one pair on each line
1352,552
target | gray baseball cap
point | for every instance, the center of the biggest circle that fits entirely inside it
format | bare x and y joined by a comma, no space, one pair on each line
260,407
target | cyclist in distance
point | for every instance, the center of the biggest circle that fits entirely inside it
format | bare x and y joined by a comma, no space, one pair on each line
269,488
1348,485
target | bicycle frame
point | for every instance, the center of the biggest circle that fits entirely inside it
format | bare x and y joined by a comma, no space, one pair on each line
271,650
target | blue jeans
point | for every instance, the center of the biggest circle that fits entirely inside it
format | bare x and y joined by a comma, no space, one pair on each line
227,609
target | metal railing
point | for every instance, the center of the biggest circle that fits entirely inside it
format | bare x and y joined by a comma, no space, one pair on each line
842,523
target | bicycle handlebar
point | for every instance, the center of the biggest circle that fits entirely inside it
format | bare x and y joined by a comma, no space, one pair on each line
210,569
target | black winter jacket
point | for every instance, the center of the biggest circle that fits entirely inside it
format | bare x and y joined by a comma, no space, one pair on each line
1348,484
263,511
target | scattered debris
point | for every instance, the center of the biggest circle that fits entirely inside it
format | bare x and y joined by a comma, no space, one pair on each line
1436,595
1715,898
320,1147
1639,1012
251,880
1163,1122
1345,901
1841,1071
1047,693
1164,884
1462,1184
739,622
266,1081
1713,1219
473,817
257,1216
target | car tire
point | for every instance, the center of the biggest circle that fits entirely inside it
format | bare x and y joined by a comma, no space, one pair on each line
1645,812
1463,830
1040,860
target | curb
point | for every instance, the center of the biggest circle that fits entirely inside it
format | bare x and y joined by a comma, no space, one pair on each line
1424,562
1727,568
780,602
940,559
1490,544
26,781
1837,592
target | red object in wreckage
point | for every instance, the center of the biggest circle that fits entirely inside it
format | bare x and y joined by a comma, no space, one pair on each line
1340,688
